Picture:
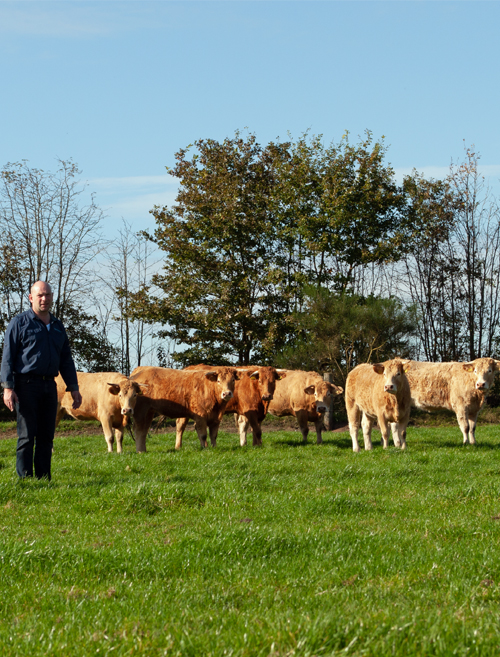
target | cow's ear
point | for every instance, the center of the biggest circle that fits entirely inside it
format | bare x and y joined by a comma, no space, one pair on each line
468,367
114,388
310,390
497,364
280,374
379,368
211,376
336,390
254,375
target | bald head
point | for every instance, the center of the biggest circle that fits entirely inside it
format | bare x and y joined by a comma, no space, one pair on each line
41,298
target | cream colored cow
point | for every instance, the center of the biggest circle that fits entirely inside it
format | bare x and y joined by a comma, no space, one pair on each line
109,397
378,392
457,387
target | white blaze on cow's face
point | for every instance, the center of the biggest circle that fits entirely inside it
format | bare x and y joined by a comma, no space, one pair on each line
484,371
127,393
392,371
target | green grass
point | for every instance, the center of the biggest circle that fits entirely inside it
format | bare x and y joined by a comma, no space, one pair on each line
290,549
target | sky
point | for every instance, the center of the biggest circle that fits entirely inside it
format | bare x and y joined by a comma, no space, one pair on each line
120,87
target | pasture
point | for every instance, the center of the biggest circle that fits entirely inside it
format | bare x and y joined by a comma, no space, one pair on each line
283,550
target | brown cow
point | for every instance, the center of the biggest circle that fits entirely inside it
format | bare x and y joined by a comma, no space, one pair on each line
306,396
196,394
252,394
108,397
458,387
378,392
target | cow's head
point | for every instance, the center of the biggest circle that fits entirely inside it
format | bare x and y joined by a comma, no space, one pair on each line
393,373
127,392
323,392
267,377
483,370
225,378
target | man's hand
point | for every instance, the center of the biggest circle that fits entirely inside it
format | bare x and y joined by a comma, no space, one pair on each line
77,399
10,398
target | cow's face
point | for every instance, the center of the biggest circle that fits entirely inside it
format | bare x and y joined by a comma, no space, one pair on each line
393,373
323,394
224,378
483,370
127,393
267,377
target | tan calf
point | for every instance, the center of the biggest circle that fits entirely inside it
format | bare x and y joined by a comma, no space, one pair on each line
306,396
108,397
378,392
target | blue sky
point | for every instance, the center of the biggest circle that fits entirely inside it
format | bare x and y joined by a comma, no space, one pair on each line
119,87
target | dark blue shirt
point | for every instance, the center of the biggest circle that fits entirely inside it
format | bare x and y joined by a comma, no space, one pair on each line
30,348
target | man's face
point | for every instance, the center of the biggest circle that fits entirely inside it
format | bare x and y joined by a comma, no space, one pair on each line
41,298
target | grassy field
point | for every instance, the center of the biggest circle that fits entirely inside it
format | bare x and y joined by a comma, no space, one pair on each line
290,549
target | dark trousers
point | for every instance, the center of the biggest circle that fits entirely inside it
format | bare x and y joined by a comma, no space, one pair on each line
36,422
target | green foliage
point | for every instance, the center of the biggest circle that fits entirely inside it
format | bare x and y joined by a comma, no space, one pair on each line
284,550
90,348
251,226
337,332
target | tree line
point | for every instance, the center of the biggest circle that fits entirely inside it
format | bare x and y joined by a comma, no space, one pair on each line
296,253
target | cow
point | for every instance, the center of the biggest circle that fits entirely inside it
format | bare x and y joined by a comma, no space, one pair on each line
306,396
252,394
109,397
201,395
457,387
378,392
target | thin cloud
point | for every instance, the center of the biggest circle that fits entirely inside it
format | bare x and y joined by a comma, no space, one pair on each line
74,19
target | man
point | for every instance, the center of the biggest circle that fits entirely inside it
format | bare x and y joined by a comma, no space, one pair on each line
36,349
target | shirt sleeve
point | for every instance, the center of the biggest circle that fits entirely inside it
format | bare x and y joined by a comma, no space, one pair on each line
9,355
67,366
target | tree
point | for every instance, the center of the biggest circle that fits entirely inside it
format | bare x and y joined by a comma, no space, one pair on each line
337,332
453,266
50,234
220,294
251,226
129,264
47,233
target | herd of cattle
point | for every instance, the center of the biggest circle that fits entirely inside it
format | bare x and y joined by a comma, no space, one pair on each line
382,393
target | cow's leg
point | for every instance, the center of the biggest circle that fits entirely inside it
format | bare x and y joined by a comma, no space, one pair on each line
107,428
398,435
302,421
367,424
472,429
395,434
354,419
119,440
319,425
141,428
213,431
384,430
463,423
253,420
243,428
180,426
61,412
201,429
